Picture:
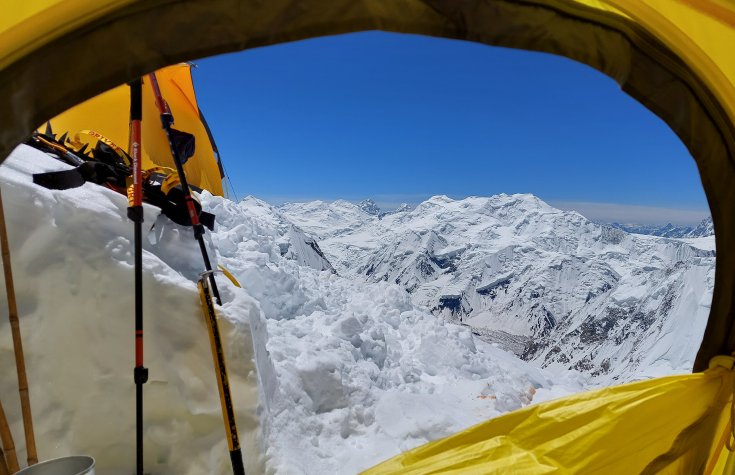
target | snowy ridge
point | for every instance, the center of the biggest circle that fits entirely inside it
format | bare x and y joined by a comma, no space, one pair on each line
703,229
292,242
548,284
329,374
370,207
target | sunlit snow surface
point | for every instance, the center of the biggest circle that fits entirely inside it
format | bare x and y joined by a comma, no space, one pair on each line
549,285
360,373
330,374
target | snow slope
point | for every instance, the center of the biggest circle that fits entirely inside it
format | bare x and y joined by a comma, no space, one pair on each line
330,374
549,285
360,372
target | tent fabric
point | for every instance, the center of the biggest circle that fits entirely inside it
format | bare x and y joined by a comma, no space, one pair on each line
673,56
666,425
108,115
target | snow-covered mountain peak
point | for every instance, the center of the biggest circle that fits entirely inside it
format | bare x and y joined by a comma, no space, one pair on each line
326,219
402,208
703,229
370,207
528,275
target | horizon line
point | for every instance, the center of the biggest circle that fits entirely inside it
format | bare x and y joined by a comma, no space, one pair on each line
640,214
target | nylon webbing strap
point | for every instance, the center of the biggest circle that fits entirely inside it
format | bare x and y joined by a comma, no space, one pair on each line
61,180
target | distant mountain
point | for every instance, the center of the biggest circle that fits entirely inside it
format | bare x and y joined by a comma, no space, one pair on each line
402,208
549,285
326,220
705,228
370,207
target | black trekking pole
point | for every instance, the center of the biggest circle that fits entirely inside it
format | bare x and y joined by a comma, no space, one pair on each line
135,213
167,120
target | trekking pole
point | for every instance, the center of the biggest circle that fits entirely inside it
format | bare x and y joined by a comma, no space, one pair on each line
167,120
10,464
135,214
220,369
20,365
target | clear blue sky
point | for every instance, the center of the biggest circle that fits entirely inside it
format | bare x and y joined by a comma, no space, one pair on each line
400,118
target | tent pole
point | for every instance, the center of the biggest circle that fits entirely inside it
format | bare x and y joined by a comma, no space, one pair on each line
10,464
20,365
167,120
135,213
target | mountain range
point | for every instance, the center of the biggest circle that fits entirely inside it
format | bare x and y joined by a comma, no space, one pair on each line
703,229
549,285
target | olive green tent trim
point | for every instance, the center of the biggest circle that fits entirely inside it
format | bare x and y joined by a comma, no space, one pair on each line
144,36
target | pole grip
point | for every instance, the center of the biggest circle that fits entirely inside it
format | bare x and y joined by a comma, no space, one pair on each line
136,115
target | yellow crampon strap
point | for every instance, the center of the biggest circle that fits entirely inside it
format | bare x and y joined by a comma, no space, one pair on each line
90,137
54,146
229,275
171,181
160,170
165,171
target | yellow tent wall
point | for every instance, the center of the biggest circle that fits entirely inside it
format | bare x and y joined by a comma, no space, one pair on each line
666,425
108,114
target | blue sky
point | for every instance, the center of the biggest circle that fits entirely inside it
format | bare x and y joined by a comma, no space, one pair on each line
399,118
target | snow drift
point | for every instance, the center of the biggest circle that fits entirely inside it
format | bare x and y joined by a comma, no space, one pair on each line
72,261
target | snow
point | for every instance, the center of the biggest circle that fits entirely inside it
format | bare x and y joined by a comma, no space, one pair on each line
340,355
549,285
330,374
72,261
706,243
361,372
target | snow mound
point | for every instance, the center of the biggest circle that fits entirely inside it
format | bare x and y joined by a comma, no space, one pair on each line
72,261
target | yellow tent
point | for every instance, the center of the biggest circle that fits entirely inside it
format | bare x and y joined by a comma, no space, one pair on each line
674,56
108,114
